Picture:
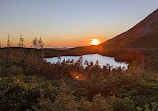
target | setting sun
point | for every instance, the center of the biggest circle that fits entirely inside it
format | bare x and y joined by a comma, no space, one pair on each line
95,42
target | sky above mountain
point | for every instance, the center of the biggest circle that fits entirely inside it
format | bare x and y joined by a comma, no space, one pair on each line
70,22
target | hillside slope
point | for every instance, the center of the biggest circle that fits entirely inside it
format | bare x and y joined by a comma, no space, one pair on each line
142,35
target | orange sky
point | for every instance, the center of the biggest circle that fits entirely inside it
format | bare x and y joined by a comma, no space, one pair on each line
69,22
53,40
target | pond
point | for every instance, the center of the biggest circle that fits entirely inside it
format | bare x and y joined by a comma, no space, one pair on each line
102,60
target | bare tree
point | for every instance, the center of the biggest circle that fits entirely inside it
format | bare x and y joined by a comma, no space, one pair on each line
35,42
40,43
8,42
21,42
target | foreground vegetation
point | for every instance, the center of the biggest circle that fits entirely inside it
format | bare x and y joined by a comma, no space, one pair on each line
28,83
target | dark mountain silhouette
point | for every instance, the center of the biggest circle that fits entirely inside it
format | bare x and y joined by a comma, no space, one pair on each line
142,35
136,43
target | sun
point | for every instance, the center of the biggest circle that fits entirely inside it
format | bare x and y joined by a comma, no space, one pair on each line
94,42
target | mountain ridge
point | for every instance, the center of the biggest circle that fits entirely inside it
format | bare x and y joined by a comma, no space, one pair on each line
130,38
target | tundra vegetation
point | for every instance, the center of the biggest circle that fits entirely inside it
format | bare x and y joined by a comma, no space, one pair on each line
28,83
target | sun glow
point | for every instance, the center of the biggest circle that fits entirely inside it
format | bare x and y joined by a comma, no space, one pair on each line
78,76
94,42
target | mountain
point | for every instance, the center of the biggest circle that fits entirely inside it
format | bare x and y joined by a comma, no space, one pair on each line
142,35
138,42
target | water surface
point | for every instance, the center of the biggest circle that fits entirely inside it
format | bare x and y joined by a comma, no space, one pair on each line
103,60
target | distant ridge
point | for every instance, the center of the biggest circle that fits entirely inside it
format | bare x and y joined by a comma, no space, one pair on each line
142,35
134,44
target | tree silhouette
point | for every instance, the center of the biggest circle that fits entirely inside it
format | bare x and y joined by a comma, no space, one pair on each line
35,42
79,61
8,42
40,43
21,42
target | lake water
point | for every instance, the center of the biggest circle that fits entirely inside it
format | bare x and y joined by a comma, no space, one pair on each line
103,60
